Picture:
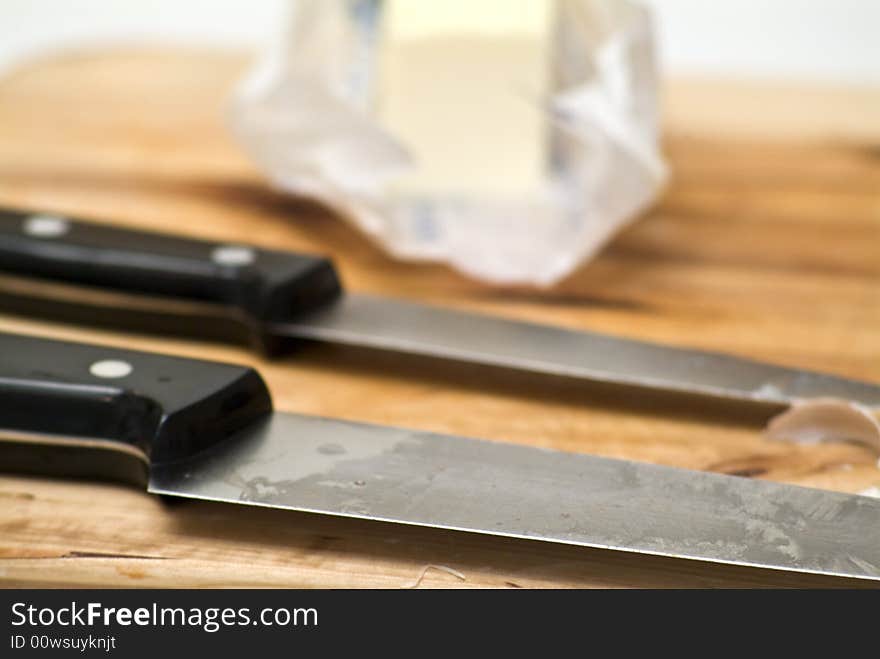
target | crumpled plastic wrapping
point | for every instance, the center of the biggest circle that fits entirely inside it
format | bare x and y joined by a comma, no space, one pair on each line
510,139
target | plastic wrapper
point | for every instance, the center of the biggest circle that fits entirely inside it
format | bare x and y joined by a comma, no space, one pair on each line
510,139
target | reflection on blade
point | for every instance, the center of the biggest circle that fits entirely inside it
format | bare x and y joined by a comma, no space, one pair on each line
393,325
371,472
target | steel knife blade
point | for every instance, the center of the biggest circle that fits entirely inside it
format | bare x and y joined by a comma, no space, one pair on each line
207,431
75,271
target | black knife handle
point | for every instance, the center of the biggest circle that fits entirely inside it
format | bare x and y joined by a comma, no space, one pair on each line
86,410
74,271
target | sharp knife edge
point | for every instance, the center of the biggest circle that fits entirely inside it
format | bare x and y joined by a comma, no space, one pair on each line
205,430
86,272
422,479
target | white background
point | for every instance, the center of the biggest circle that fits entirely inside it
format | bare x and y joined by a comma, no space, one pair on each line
811,40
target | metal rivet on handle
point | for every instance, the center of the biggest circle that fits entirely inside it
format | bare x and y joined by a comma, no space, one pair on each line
46,226
110,369
233,255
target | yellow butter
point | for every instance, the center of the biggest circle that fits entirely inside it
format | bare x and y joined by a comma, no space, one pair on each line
462,84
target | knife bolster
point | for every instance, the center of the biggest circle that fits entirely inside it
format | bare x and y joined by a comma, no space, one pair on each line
84,410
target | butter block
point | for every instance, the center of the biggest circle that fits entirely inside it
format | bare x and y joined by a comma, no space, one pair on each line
463,86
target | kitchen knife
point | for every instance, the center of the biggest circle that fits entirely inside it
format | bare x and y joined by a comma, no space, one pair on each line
207,431
71,270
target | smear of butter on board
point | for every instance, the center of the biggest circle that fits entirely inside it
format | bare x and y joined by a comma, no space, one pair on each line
818,420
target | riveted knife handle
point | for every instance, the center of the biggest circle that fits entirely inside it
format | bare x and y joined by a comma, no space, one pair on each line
74,271
84,410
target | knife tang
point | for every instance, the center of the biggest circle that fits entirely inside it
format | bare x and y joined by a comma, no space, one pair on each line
76,271
90,411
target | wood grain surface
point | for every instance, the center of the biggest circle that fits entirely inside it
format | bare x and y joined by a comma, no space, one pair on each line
763,247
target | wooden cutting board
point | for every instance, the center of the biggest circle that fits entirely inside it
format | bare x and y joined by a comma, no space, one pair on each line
767,244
